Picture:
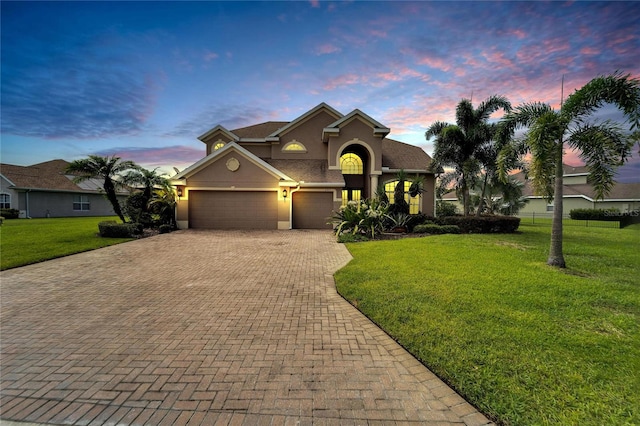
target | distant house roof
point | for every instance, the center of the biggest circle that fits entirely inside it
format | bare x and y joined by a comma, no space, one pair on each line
47,176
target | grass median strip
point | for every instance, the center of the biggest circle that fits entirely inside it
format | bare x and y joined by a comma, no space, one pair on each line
524,342
26,241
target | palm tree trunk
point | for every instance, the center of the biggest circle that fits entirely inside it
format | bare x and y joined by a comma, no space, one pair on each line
484,187
556,258
110,192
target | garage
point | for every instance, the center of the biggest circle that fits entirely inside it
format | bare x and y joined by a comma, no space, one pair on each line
233,210
311,210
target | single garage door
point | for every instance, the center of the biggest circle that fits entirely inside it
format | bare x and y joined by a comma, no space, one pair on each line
311,210
233,210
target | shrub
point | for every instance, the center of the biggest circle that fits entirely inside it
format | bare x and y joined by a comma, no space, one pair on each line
445,208
111,229
596,214
365,217
436,229
419,219
136,228
164,229
9,213
351,238
482,224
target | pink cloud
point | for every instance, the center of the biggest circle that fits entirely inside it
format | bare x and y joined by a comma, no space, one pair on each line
588,50
343,80
314,3
436,63
327,48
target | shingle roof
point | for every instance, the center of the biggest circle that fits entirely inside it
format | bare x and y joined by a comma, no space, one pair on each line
400,155
309,171
261,130
49,175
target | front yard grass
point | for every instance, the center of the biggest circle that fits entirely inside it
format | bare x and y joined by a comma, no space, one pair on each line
26,241
522,341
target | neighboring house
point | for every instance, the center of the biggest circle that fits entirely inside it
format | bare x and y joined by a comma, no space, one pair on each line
577,194
44,190
283,175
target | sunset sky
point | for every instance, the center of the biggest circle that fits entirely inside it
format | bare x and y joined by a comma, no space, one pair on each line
143,79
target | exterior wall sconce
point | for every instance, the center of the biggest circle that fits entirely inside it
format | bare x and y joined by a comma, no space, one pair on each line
179,191
284,194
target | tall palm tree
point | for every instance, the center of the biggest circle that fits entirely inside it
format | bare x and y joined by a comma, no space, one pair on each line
108,169
602,145
463,144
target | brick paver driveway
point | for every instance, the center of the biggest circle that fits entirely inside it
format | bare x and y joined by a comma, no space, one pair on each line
206,328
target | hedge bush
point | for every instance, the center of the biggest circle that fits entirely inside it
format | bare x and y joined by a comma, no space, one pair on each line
436,229
164,229
9,213
596,214
482,224
111,229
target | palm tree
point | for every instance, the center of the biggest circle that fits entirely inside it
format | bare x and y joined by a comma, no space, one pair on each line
148,180
602,145
163,203
463,145
108,169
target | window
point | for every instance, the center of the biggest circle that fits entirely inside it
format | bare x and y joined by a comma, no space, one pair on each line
5,201
351,164
218,145
294,146
81,202
550,207
414,202
351,195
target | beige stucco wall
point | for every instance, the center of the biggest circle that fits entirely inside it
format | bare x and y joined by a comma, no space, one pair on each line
308,133
217,175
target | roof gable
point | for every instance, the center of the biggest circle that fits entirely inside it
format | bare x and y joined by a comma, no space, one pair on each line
334,128
304,117
218,129
231,146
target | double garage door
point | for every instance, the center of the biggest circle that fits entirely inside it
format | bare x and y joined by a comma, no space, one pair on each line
233,210
256,209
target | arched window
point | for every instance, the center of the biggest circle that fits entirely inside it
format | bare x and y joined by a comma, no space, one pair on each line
414,202
351,164
294,146
218,145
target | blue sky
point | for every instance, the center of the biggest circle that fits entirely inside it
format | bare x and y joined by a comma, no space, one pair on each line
143,79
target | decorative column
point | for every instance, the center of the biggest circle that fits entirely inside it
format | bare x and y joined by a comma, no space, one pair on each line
374,185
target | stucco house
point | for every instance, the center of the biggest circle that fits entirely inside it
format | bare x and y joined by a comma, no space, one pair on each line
44,190
284,175
577,194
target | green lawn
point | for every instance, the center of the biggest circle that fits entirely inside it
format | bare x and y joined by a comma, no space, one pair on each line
525,343
26,241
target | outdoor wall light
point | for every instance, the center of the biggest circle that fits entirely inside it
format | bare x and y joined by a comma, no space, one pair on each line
284,194
179,192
